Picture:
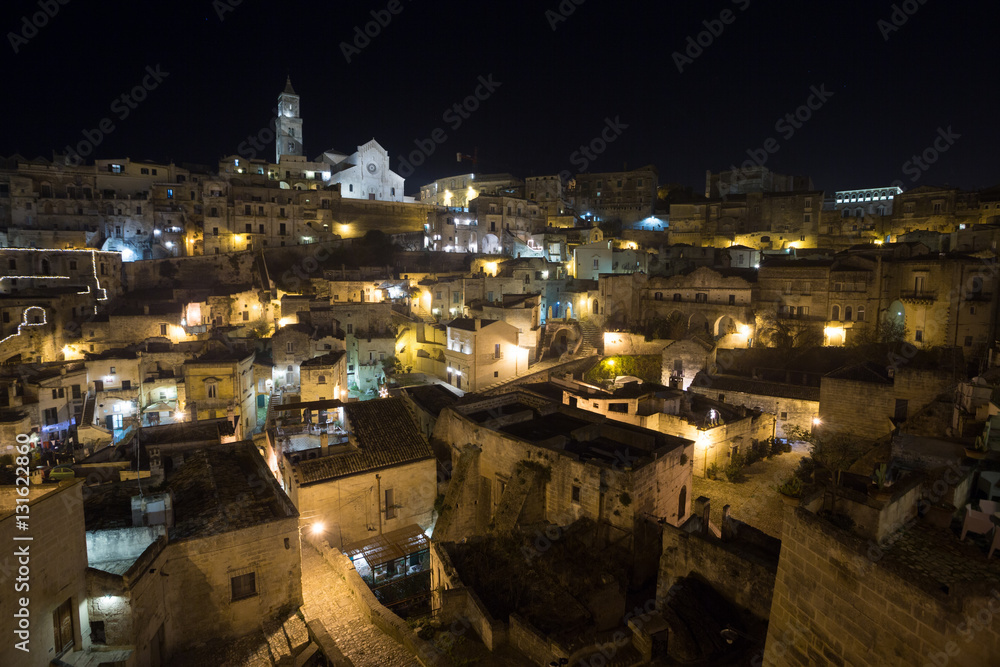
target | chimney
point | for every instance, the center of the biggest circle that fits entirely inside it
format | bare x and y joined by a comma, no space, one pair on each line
478,323
155,466
324,443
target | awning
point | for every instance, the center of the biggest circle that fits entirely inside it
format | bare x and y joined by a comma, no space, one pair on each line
389,546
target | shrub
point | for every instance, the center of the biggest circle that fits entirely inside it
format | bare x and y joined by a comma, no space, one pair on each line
734,470
805,469
713,471
791,487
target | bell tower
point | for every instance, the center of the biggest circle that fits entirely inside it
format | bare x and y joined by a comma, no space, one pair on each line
288,126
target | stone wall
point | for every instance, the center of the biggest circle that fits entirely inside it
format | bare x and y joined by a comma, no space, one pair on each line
744,576
228,269
351,506
197,580
621,342
786,411
829,611
58,562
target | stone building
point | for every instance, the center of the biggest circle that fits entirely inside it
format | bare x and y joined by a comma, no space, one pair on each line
167,571
713,302
627,196
324,377
220,383
871,400
55,590
482,352
519,459
718,429
456,192
372,473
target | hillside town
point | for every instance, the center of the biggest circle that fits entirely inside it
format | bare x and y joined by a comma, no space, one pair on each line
284,413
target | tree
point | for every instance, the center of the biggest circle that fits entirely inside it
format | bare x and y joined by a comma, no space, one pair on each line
885,331
834,450
785,334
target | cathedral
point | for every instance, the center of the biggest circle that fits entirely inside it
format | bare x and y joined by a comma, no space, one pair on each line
364,174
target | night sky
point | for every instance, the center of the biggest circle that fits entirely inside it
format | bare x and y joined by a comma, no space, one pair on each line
892,89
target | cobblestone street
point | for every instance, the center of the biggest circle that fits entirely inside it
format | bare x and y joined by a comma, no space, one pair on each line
755,500
328,598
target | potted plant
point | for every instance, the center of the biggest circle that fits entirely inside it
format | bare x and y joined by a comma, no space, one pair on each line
791,490
882,484
979,450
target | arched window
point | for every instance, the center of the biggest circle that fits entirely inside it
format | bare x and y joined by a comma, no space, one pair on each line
835,313
861,314
321,379
860,212
658,296
846,213
848,311
677,297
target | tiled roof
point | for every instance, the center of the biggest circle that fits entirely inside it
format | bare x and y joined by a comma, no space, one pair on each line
385,436
328,359
757,387
217,490
469,324
865,371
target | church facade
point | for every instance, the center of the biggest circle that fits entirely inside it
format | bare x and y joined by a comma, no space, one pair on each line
364,174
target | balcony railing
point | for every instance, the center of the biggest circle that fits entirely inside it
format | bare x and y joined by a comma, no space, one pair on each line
918,295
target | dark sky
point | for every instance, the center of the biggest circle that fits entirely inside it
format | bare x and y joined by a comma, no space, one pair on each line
606,60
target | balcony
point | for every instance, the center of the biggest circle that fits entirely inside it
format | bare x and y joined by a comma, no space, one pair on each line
918,296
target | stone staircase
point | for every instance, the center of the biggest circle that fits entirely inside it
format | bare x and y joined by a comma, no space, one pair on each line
593,339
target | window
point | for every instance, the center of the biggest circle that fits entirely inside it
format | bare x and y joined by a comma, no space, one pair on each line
732,299
390,504
848,311
212,390
350,328
215,231
575,494
861,314
321,379
701,297
918,284
163,329
784,415
289,347
597,263
12,263
658,296
496,351
918,336
112,371
246,316
76,391
97,634
677,296
243,586
170,193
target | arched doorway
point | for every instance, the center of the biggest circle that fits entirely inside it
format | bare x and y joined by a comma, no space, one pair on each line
725,325
560,343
